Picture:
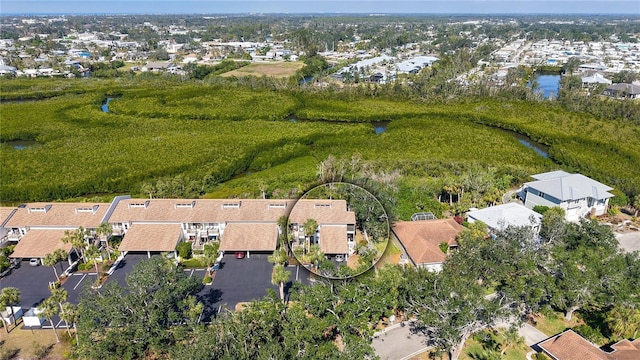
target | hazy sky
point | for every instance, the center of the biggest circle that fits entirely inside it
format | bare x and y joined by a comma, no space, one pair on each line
628,7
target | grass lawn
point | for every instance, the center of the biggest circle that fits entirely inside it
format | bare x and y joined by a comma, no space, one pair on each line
391,255
24,344
275,69
554,323
193,263
472,347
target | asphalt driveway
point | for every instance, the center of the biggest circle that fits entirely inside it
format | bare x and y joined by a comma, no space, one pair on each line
125,267
242,280
33,282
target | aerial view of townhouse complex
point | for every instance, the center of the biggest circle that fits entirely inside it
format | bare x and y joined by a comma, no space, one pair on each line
281,184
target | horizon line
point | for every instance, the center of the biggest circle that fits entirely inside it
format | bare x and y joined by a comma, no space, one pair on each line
637,15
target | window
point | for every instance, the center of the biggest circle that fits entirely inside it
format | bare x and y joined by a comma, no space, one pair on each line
92,210
231,205
43,209
139,204
278,206
322,205
188,205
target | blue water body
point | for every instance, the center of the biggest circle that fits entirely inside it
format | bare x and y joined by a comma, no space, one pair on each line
105,105
380,127
548,85
84,54
536,147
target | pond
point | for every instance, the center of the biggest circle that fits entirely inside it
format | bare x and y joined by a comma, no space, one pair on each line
22,144
380,126
548,85
105,105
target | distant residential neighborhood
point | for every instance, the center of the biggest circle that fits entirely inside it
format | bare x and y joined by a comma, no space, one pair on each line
58,46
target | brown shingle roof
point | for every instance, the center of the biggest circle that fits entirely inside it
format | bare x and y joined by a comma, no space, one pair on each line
626,350
151,237
71,215
333,239
5,212
38,243
421,239
201,210
569,345
322,211
249,237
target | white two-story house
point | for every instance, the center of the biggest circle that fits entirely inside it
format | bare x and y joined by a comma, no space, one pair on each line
577,194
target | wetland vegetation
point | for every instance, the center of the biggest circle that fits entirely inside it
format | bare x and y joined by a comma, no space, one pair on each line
168,138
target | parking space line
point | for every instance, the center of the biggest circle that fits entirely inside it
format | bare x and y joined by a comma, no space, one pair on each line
297,271
79,282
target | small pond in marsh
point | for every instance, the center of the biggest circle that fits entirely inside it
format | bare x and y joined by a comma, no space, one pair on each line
22,144
380,126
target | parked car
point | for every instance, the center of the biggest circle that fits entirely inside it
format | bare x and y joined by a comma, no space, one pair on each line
339,258
240,254
34,262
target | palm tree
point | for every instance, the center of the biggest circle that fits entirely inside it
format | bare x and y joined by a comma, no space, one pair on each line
105,229
636,204
59,296
53,258
76,239
69,313
310,227
511,339
92,253
9,297
279,257
279,277
48,309
209,256
624,321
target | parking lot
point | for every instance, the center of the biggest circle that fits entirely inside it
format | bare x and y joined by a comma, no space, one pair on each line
237,280
33,282
124,267
242,280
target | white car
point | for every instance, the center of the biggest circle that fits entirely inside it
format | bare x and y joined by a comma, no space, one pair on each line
34,262
339,258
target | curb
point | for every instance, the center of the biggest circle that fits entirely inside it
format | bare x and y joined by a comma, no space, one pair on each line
391,327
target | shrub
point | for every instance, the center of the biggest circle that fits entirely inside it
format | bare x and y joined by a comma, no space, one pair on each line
8,352
444,247
207,279
591,334
40,351
184,250
540,209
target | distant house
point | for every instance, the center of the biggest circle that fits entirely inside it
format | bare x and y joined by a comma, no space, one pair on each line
421,240
577,194
595,79
623,91
156,66
591,67
511,214
569,345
